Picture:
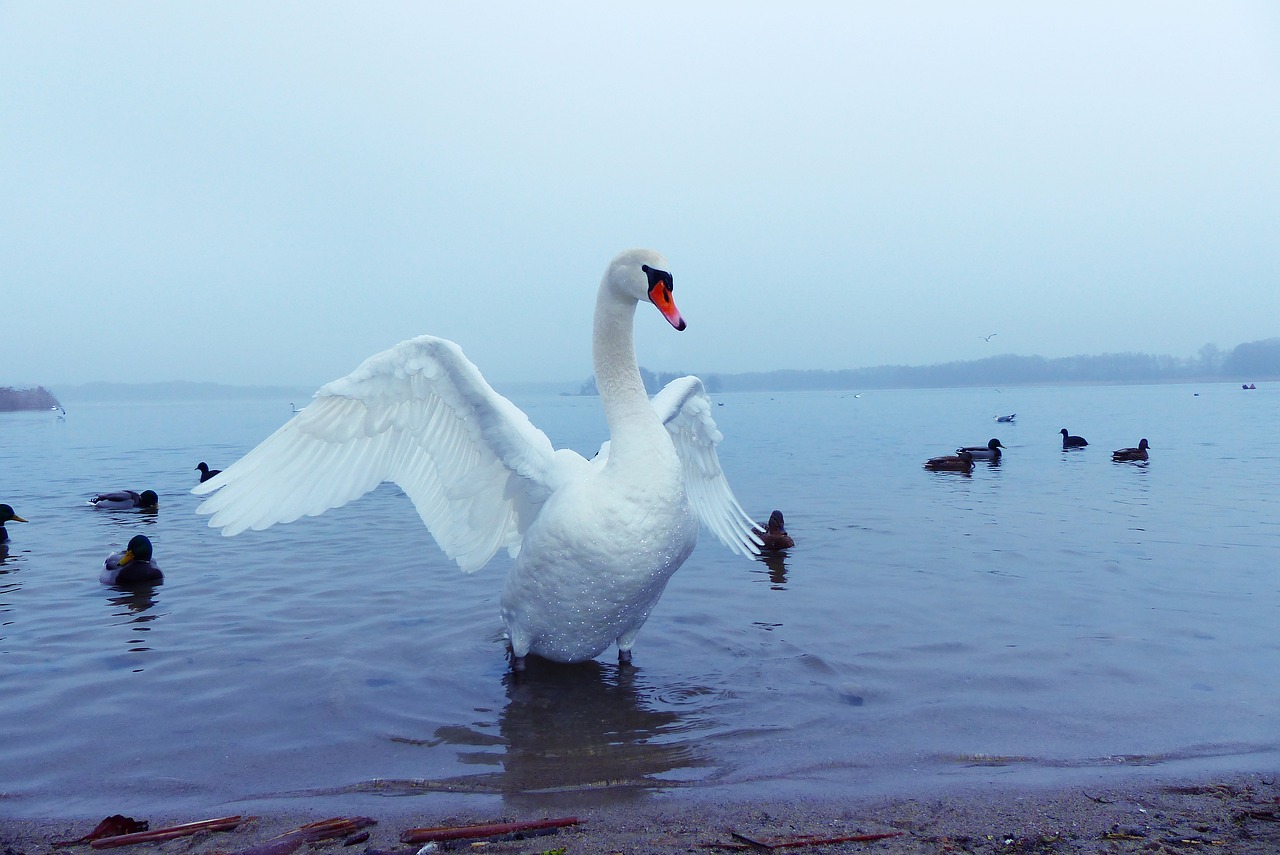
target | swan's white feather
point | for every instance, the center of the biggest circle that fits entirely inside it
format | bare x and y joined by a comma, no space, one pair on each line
685,410
419,415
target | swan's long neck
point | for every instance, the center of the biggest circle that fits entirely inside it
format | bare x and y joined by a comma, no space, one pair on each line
632,421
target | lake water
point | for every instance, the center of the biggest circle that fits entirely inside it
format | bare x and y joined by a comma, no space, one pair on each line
1054,618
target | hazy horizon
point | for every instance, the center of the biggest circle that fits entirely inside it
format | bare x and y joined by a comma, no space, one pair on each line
267,195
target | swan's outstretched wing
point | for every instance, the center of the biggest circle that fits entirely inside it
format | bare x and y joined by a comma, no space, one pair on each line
685,409
419,414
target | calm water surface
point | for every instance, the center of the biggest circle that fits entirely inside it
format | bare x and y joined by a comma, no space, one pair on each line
1054,617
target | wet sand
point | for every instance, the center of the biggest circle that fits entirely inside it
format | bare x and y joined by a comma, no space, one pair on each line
1235,814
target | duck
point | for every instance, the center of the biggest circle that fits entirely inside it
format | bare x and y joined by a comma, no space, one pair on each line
774,535
205,472
7,515
990,451
1006,419
1139,453
123,500
961,461
132,566
593,541
1069,441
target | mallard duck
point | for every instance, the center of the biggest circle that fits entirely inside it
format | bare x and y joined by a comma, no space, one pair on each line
774,535
594,541
205,472
133,566
1069,441
123,500
1139,453
990,451
962,461
7,515
1006,419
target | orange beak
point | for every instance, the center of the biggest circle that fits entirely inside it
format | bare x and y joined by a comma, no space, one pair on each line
660,296
125,559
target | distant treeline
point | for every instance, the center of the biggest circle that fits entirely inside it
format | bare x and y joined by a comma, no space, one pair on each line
12,400
1257,360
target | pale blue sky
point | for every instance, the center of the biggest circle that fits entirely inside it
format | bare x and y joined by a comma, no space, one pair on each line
251,192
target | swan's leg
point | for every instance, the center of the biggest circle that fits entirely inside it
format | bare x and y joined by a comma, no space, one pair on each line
518,644
625,642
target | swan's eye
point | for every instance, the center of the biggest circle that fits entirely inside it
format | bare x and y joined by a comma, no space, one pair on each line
656,276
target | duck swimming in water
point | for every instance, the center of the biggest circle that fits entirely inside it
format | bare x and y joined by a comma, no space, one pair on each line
205,472
990,451
594,541
1069,441
133,566
962,461
124,500
774,534
1139,453
7,515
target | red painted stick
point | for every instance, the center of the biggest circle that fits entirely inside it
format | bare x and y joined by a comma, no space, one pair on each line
223,823
463,832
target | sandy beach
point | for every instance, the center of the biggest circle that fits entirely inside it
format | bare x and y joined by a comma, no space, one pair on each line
1236,814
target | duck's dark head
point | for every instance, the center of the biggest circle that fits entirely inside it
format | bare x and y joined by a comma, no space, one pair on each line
775,522
7,515
148,499
139,549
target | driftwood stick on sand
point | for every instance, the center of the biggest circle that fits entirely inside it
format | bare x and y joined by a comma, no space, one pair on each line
745,843
465,832
312,832
222,823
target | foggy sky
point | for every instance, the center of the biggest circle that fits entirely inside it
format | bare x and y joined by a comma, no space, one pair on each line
262,193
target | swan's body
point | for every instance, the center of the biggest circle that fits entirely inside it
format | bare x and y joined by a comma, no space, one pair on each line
132,566
961,461
1069,441
1139,453
594,541
124,500
990,451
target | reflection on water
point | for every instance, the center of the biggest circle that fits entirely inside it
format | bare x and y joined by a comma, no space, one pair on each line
776,564
133,603
125,517
575,734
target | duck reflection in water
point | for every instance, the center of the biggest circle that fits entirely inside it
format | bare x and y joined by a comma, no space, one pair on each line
577,735
776,564
135,604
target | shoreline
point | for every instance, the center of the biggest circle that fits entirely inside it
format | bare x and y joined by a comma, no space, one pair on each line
1236,813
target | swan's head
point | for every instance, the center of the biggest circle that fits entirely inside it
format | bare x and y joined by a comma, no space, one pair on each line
642,275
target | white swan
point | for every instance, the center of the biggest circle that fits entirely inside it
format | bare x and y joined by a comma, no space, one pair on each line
594,541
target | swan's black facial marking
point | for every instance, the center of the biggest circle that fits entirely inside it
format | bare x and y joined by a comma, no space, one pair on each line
660,295
655,276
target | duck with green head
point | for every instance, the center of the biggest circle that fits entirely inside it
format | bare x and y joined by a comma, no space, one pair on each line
7,515
125,500
133,566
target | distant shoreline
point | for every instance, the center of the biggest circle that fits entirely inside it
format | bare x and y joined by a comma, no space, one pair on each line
26,400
